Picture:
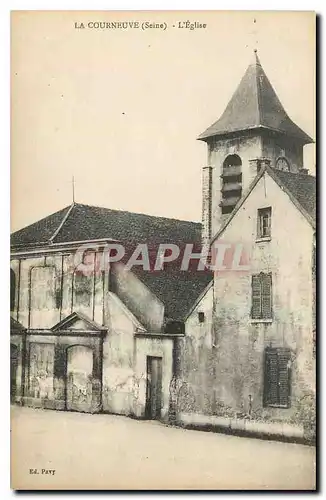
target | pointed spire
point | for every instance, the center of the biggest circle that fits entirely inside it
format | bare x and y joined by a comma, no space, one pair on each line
255,105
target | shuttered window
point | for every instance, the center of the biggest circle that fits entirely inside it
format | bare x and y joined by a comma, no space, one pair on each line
277,377
261,296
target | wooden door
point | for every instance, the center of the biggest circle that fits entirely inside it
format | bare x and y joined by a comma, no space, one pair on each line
154,388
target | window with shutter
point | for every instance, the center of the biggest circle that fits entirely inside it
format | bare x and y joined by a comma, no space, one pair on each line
261,296
277,377
256,297
266,296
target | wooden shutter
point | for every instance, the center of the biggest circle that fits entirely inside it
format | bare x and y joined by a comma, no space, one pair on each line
271,377
266,296
256,297
283,377
277,377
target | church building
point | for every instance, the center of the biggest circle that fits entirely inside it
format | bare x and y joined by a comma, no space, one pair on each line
232,348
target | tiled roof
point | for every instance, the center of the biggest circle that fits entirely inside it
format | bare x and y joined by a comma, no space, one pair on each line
86,222
175,288
302,187
40,231
254,105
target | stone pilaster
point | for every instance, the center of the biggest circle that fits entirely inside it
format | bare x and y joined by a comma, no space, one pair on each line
206,205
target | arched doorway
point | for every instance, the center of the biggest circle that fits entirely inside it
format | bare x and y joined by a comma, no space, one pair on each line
79,378
13,371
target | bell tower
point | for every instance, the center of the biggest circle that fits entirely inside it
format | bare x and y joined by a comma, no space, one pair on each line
253,131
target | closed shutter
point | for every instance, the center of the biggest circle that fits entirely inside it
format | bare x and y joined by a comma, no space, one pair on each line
283,377
271,377
266,295
256,297
261,296
277,377
60,361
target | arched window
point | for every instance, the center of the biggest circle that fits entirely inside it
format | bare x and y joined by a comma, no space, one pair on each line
231,162
231,183
12,290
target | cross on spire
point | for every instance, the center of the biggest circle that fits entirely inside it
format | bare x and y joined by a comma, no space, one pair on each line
255,35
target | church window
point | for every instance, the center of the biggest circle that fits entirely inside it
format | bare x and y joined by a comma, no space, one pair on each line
264,222
231,183
261,296
277,377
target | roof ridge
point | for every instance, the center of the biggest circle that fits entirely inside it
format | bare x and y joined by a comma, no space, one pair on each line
138,213
258,88
65,217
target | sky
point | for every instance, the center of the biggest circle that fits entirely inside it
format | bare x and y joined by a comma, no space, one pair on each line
120,110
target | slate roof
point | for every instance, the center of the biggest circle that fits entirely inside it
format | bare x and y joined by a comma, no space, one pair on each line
15,326
175,288
254,105
302,187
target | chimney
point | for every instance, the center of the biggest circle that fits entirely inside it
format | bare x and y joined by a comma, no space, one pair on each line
256,164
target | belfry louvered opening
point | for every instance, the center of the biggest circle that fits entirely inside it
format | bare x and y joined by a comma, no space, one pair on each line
231,183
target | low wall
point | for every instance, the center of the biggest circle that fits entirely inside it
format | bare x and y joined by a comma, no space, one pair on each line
242,425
